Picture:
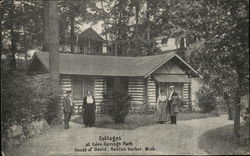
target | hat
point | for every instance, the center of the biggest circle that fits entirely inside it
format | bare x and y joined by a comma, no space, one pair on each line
68,91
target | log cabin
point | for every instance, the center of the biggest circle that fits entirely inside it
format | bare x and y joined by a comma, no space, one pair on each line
141,77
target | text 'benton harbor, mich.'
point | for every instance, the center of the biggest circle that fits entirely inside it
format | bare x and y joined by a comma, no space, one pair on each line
113,144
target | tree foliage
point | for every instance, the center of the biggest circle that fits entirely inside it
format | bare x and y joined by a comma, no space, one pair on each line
26,99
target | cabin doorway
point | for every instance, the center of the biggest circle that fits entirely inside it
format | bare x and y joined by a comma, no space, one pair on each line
165,87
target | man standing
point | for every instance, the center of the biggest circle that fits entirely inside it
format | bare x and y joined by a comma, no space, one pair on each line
67,108
173,104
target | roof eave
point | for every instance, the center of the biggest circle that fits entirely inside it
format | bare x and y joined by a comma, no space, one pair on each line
174,55
31,61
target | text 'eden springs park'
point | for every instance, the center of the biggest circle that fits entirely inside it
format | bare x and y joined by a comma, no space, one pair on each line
112,143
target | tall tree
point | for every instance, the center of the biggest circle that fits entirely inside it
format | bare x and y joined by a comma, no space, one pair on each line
45,25
13,35
53,46
223,53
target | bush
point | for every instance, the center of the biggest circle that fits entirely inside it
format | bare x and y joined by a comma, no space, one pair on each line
25,99
206,98
118,106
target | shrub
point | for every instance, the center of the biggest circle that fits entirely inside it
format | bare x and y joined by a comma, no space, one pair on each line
25,99
118,106
206,98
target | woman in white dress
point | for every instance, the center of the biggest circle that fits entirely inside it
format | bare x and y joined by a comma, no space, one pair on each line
162,114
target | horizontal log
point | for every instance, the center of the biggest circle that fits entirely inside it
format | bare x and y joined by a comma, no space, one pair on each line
136,87
136,78
66,89
135,95
152,103
137,101
151,85
137,81
65,80
95,80
151,93
151,90
63,88
137,98
136,91
65,83
98,81
151,98
98,95
101,82
154,100
99,89
98,86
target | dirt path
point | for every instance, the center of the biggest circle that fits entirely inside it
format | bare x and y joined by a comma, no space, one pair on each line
182,138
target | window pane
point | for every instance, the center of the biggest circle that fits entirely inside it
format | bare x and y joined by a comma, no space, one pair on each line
77,89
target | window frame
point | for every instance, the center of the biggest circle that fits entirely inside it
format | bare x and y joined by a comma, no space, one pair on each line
79,81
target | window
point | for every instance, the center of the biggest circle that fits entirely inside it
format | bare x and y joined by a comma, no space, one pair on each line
110,84
77,89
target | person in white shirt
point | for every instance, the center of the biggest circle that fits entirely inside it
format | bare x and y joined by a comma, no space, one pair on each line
89,108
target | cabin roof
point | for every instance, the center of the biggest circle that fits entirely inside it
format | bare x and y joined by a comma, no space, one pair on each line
80,64
90,34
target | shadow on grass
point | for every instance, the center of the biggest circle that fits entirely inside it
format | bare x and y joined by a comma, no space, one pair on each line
131,122
220,141
136,121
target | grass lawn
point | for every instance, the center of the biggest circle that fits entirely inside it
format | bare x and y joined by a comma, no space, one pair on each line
221,141
135,121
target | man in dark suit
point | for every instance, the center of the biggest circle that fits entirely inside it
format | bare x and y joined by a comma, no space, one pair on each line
173,104
68,107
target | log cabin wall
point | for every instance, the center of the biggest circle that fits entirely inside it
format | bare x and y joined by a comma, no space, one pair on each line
136,89
151,91
99,88
187,92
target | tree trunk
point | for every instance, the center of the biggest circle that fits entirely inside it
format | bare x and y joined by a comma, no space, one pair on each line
237,114
1,27
105,28
72,28
237,102
53,44
13,37
148,26
137,7
45,25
